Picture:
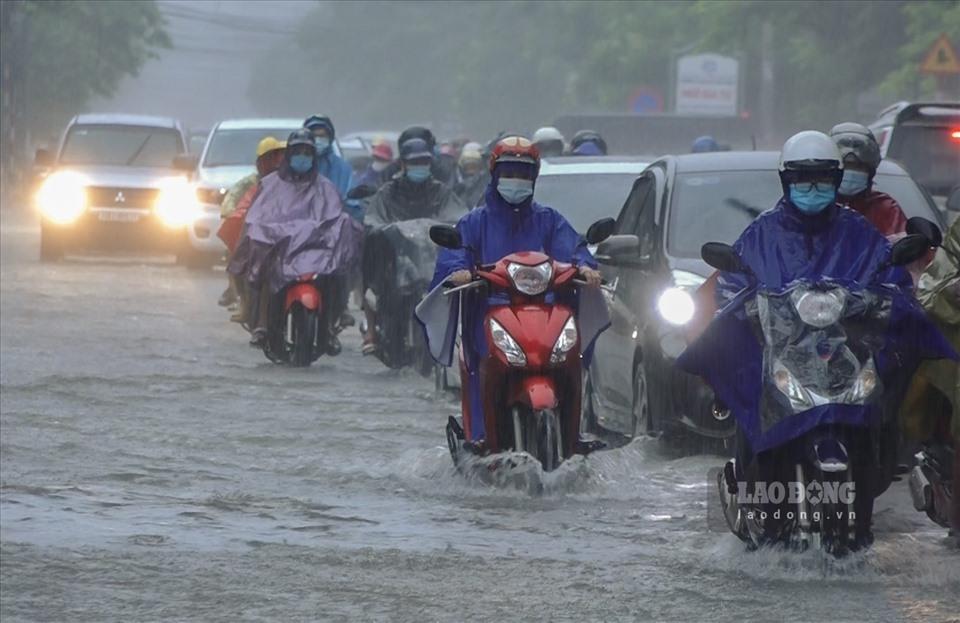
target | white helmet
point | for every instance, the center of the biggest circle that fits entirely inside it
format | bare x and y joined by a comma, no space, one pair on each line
549,142
548,133
809,153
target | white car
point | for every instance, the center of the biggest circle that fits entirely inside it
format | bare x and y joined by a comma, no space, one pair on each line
584,189
228,156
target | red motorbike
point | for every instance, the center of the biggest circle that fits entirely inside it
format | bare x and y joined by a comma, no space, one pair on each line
298,328
530,378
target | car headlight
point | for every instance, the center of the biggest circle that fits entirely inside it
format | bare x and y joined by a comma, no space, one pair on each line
676,306
530,280
565,341
507,345
819,309
62,197
177,204
790,387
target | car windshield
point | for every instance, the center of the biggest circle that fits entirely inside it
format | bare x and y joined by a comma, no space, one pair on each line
718,206
239,147
121,145
583,198
929,153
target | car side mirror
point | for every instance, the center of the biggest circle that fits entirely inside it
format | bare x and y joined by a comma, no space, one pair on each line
601,230
928,229
722,257
361,192
43,158
446,236
909,249
186,162
620,246
953,200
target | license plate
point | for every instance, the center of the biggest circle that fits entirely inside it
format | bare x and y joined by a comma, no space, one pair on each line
119,216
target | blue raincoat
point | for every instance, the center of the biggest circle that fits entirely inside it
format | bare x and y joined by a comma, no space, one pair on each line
490,232
781,247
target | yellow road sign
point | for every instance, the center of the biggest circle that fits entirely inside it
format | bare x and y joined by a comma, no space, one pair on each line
941,58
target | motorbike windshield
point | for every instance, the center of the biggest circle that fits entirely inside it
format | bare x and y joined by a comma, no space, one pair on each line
818,345
412,254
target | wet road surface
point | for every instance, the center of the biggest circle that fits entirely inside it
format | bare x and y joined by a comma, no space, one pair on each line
154,467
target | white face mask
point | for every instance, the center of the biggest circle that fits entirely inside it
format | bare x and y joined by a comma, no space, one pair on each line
515,190
379,165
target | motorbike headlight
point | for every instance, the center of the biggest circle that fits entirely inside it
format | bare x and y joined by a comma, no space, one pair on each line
788,385
62,197
530,280
864,385
177,204
507,345
676,306
566,341
819,309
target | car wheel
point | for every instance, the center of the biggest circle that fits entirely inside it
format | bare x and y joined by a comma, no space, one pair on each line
51,245
191,258
641,401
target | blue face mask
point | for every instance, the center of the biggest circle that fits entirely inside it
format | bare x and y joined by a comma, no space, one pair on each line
854,183
418,173
322,143
515,190
301,163
813,199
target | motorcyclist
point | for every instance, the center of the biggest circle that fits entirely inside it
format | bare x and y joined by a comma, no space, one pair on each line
704,144
508,221
588,143
329,164
549,142
413,194
861,157
297,217
239,198
418,131
375,174
472,177
807,235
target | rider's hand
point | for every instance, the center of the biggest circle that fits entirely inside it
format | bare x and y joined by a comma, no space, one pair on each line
591,276
460,277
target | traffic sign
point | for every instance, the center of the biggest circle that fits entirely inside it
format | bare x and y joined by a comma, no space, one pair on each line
646,100
941,58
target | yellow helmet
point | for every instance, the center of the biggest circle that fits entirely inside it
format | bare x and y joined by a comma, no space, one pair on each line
268,144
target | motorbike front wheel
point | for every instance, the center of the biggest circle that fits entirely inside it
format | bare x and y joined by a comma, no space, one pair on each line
540,436
303,325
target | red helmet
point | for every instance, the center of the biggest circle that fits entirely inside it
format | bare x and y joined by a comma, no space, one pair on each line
515,149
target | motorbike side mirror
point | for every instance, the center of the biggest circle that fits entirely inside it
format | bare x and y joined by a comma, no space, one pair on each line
928,229
722,257
446,236
909,249
621,246
186,162
601,230
43,158
361,192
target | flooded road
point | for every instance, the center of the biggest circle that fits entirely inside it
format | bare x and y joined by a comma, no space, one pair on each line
154,467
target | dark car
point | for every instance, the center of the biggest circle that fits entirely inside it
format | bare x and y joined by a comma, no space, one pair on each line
677,204
116,182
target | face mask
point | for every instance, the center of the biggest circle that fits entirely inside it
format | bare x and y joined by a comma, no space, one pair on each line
515,190
379,165
322,143
854,183
300,163
812,201
418,173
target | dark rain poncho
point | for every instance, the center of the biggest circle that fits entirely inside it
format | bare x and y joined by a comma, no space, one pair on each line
295,229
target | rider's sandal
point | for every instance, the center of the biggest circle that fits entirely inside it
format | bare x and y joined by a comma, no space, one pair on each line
368,347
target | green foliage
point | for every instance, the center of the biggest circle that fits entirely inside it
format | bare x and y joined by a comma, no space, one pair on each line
74,50
517,65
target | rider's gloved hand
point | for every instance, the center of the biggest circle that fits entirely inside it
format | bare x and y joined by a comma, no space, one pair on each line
460,277
591,276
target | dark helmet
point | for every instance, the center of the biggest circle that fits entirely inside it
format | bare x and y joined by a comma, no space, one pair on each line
415,149
588,136
320,121
300,137
420,132
857,144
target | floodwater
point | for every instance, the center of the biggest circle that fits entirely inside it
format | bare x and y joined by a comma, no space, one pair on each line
154,467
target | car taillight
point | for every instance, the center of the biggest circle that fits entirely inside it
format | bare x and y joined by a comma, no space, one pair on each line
955,135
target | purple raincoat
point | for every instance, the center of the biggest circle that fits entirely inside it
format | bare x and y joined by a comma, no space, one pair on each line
293,229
